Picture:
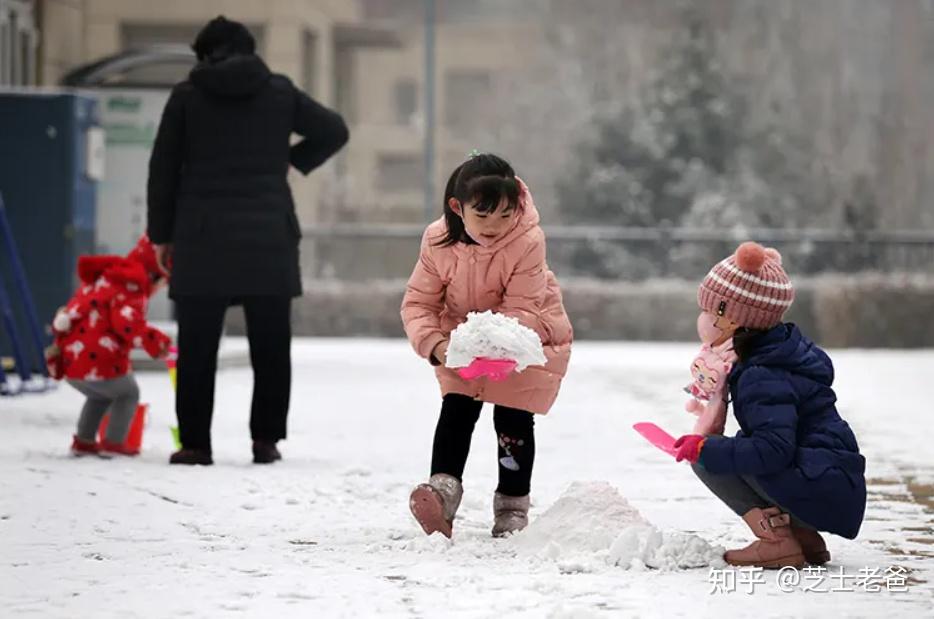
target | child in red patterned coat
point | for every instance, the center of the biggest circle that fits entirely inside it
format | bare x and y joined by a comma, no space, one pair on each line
94,334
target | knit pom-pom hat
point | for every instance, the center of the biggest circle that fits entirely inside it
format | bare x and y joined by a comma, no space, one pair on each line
749,288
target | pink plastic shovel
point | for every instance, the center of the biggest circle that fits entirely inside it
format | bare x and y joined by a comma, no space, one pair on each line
494,369
658,437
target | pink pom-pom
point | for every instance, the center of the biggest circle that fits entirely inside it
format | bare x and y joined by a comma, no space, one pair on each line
772,254
750,257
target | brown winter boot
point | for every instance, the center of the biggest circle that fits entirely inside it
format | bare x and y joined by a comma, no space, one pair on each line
510,514
776,546
434,504
815,550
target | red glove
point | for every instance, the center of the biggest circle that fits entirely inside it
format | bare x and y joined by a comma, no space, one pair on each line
53,362
156,343
689,448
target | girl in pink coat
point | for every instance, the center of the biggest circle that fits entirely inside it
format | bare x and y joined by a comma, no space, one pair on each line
486,253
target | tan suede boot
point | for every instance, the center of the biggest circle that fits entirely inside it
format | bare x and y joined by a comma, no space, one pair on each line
813,545
434,504
510,514
776,546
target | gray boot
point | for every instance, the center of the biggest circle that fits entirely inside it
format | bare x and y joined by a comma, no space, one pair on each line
435,504
510,514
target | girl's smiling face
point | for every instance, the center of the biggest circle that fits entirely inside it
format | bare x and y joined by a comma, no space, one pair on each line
486,227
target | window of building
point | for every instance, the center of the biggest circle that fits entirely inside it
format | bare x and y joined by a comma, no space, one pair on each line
171,70
309,61
344,83
6,58
18,39
465,92
406,101
399,172
142,35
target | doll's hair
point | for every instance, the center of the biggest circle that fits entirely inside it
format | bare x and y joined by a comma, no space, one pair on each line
482,182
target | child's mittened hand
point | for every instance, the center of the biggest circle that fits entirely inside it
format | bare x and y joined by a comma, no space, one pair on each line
164,350
62,321
689,448
164,253
53,362
156,343
167,347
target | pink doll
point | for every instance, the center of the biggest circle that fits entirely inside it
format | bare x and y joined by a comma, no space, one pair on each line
710,370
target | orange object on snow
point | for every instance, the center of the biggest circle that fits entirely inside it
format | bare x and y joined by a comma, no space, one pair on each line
134,438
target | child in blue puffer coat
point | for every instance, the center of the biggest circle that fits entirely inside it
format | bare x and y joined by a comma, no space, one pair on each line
794,468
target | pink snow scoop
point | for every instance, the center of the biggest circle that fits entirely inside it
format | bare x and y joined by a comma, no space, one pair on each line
658,437
494,369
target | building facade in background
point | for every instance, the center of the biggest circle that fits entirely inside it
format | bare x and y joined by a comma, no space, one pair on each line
846,79
302,39
476,65
366,59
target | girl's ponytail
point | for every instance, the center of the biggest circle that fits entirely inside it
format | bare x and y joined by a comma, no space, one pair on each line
455,225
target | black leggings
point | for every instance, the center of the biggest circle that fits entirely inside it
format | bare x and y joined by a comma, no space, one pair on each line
515,435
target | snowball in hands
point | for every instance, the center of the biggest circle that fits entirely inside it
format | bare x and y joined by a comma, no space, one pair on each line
494,336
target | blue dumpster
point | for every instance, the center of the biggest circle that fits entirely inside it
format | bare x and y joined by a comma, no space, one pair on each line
51,149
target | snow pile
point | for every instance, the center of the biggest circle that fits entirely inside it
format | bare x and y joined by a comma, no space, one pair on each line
593,525
497,337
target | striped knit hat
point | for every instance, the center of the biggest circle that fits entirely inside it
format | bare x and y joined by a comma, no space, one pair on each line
750,288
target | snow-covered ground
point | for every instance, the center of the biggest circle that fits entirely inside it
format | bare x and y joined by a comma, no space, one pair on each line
327,532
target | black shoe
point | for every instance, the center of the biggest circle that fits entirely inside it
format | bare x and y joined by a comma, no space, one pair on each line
265,452
191,456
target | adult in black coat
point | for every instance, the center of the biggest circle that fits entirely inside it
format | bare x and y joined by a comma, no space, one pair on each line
222,217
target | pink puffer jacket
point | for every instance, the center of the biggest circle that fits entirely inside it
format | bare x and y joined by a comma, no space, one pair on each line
510,277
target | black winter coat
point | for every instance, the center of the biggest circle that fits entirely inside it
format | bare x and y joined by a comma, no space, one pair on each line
217,178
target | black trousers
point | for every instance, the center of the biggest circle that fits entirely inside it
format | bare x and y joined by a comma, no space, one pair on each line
515,435
200,323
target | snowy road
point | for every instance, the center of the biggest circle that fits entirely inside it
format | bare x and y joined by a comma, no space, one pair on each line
327,533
